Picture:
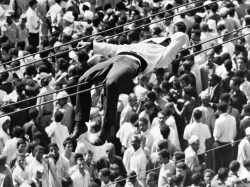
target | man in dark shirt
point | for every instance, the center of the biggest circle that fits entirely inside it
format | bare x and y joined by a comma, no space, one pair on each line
238,98
111,159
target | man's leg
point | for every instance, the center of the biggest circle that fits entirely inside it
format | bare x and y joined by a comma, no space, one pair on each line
83,100
118,81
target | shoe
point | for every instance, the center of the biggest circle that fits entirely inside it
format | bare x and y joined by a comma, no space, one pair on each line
79,129
98,139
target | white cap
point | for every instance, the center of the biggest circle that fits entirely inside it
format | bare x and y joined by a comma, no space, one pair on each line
193,139
61,95
88,15
224,11
69,17
87,4
247,131
208,2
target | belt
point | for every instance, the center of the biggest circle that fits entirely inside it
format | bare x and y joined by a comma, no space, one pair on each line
143,63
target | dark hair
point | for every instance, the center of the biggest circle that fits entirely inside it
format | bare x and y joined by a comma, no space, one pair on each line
214,7
197,114
234,166
181,27
208,171
223,173
58,116
33,113
144,120
63,65
53,145
222,106
30,70
38,148
179,156
134,35
82,56
20,142
162,144
105,172
181,165
153,175
196,178
164,153
67,141
188,90
165,131
32,2
225,97
4,75
21,44
17,132
151,95
246,163
78,156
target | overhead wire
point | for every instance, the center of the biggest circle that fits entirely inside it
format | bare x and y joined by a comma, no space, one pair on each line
66,88
77,48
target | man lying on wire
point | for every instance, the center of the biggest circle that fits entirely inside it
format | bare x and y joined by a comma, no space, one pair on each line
117,74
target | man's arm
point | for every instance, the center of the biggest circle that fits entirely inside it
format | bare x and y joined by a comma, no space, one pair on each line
105,48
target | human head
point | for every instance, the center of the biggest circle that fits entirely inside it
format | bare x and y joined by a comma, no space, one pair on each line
17,132
149,107
104,175
58,116
197,114
152,179
178,156
54,150
208,175
68,145
165,131
38,171
246,164
143,124
132,100
136,142
222,107
33,4
20,159
38,152
235,83
21,146
132,176
181,168
234,166
213,80
163,156
223,174
110,150
161,117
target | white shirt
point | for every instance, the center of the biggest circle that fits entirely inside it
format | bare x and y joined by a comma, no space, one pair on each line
155,55
225,128
135,161
145,115
55,13
149,139
140,91
80,180
199,129
10,149
57,133
126,110
245,87
32,21
166,171
125,133
19,175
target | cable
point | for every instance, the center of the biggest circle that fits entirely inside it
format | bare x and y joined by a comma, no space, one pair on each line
97,35
56,91
23,109
176,161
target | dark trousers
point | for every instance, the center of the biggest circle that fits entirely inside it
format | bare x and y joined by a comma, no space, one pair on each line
223,155
34,39
117,73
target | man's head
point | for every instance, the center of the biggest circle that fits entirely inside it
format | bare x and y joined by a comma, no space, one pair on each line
223,174
163,156
68,145
196,179
234,166
143,124
80,165
213,80
235,83
149,107
110,150
54,150
132,176
104,175
161,117
152,179
88,156
58,116
197,115
21,146
165,131
136,142
21,160
38,152
33,4
222,107
178,156
181,168
132,99
208,175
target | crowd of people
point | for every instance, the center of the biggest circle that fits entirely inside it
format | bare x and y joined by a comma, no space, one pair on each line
186,123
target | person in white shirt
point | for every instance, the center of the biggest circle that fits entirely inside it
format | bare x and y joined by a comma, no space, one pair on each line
36,180
145,132
127,61
104,175
151,179
224,133
167,167
141,89
199,129
20,172
33,23
10,148
127,130
135,158
81,176
57,132
131,106
55,15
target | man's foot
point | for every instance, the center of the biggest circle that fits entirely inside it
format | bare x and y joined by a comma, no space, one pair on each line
98,139
79,129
